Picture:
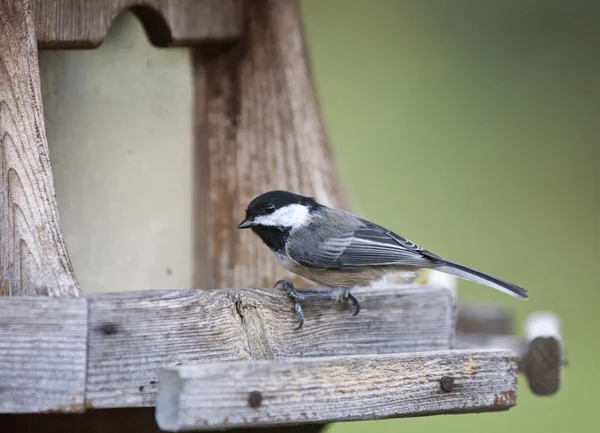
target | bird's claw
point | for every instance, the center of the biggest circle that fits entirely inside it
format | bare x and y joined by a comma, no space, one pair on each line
354,300
300,315
294,296
298,298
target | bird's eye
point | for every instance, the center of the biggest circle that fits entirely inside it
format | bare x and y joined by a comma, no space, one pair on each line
270,208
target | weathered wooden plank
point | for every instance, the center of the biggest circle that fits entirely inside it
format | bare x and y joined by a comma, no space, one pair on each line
33,256
123,420
132,336
263,393
543,361
42,354
64,24
258,127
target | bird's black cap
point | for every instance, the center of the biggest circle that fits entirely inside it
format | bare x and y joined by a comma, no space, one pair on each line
273,200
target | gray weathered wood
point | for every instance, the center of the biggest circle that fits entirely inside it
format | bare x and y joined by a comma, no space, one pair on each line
33,256
262,393
484,318
543,361
490,341
132,336
42,354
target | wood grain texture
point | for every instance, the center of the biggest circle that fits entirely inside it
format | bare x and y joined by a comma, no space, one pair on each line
258,128
129,420
543,361
33,256
63,24
42,354
132,336
262,393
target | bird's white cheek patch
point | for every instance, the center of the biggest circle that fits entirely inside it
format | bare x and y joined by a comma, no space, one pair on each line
292,216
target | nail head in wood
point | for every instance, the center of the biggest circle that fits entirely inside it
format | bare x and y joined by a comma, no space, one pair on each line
254,399
447,383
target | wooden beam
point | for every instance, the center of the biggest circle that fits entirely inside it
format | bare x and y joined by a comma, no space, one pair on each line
64,24
134,335
265,393
33,256
42,354
258,128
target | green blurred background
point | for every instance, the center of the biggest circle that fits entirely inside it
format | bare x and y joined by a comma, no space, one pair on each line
473,128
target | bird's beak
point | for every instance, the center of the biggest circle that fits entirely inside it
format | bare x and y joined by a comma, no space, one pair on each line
245,224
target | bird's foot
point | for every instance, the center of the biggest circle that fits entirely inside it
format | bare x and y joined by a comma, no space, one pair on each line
341,293
294,296
298,298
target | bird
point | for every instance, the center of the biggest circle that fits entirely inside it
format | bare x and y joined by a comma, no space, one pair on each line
339,250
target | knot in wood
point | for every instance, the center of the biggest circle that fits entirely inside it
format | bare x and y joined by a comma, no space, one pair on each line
109,328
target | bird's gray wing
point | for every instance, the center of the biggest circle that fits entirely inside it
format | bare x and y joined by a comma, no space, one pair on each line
353,245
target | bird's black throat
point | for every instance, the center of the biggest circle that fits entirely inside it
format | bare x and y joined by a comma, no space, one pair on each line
273,237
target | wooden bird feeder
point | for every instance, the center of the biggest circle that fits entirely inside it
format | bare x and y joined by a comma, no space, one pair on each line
222,358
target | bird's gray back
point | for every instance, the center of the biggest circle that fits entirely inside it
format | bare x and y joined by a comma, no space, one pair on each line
336,239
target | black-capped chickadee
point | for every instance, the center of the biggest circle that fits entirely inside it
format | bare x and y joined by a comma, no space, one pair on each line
334,248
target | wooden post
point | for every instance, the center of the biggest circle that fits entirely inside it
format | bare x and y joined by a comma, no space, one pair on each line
33,256
543,361
258,128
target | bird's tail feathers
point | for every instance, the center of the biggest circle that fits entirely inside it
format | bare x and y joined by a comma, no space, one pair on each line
476,276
